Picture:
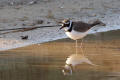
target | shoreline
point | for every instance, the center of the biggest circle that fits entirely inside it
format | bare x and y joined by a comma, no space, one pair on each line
13,44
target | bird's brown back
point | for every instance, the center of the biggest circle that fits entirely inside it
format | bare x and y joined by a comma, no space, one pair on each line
81,26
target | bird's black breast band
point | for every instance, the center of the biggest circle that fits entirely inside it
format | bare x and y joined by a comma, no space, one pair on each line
70,26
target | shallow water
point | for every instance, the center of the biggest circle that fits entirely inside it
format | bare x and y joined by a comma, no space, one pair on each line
46,61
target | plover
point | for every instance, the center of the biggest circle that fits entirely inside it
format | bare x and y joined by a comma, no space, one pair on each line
78,29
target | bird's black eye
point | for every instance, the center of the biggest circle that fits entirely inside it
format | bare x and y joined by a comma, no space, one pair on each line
68,22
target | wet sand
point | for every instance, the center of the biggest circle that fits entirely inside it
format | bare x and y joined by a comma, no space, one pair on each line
45,61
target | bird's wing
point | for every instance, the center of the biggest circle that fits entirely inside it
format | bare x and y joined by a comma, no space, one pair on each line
81,26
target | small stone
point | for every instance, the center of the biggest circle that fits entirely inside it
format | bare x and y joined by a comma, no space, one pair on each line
12,3
23,18
15,24
23,24
32,2
48,22
39,21
61,7
24,37
31,24
17,7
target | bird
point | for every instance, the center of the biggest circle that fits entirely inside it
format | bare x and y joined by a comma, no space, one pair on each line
78,29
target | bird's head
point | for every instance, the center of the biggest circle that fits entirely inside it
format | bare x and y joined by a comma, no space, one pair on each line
65,23
67,70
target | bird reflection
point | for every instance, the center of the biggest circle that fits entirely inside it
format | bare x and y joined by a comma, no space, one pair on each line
74,60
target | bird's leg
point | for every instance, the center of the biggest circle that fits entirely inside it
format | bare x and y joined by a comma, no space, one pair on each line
76,46
81,47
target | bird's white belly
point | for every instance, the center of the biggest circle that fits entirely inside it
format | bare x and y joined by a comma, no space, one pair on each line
76,35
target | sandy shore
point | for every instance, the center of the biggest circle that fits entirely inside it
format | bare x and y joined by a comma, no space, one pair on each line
51,12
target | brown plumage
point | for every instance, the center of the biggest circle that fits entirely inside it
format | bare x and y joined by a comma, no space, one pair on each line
81,26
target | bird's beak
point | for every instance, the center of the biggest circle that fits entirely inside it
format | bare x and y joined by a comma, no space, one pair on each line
62,26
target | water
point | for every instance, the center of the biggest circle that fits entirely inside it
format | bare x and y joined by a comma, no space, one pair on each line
46,61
